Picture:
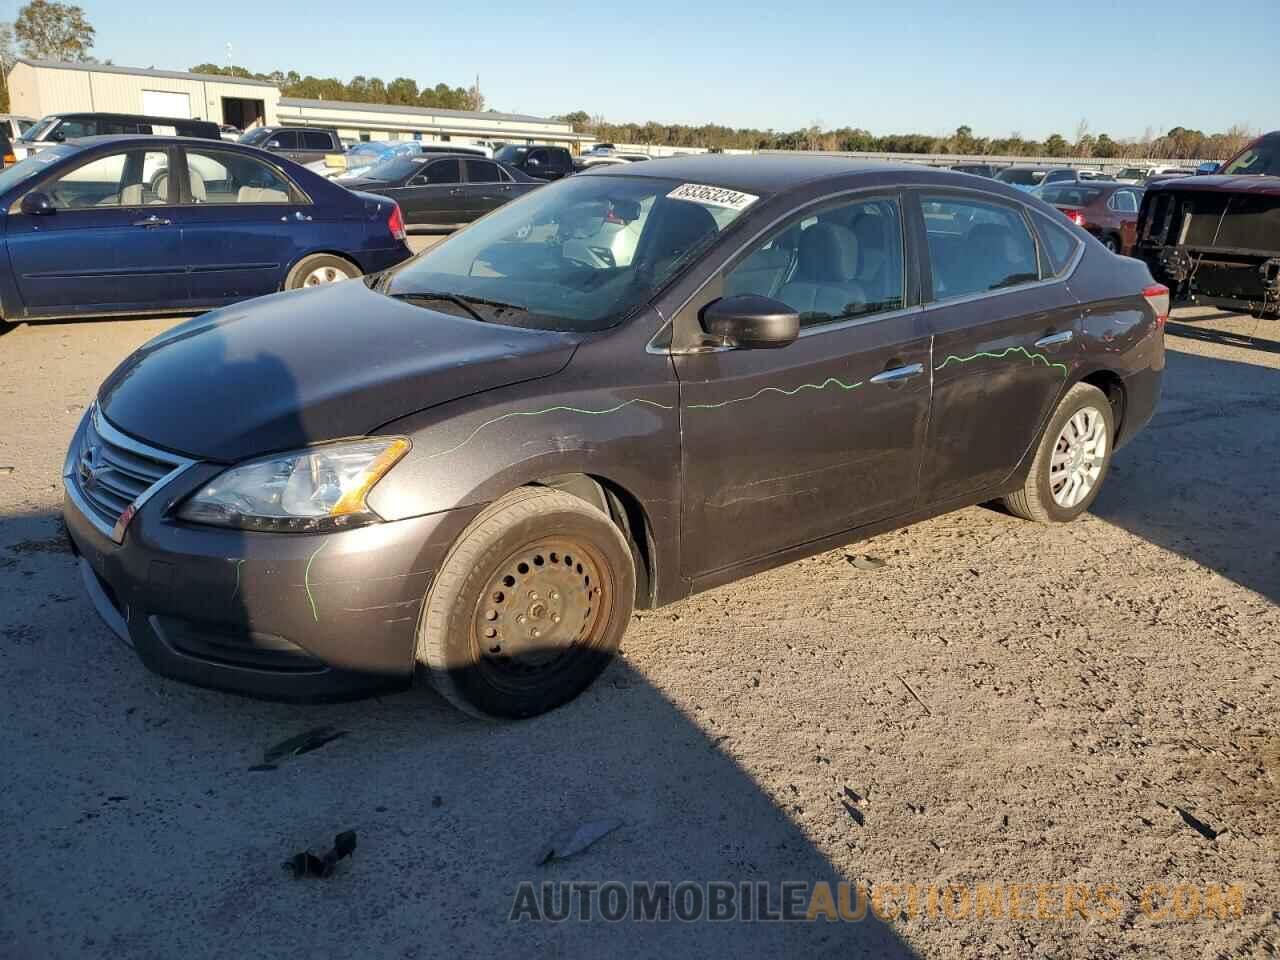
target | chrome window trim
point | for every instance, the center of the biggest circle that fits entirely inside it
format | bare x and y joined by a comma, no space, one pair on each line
118,439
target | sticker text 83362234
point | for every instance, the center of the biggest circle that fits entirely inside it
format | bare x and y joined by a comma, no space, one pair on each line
713,196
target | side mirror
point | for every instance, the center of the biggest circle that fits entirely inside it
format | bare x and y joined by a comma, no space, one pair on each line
751,322
37,204
273,144
1206,168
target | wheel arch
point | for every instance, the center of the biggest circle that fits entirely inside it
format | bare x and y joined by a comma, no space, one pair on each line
628,514
1112,385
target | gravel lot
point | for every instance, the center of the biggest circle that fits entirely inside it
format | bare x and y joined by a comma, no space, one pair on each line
1000,702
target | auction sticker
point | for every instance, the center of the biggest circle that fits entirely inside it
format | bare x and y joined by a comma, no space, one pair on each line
713,196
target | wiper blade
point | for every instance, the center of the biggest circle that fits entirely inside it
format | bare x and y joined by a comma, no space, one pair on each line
437,298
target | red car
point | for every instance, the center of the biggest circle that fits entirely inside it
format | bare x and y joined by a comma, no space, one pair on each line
1107,210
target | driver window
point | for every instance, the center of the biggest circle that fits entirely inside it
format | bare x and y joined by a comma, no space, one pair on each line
441,171
132,179
841,262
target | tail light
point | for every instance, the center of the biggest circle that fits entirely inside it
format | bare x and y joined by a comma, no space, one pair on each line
1075,216
1157,295
395,222
10,159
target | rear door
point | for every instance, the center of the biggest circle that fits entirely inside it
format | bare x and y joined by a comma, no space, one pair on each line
487,187
1006,334
113,244
314,145
243,224
287,143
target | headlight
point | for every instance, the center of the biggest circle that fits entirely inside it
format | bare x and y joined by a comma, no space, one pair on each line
320,488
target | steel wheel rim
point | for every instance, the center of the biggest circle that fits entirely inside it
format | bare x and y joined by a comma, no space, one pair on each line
545,608
1079,455
325,274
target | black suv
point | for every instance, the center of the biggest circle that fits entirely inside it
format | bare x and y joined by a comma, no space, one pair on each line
539,161
68,126
300,144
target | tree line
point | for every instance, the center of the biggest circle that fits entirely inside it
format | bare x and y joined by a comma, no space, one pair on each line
1179,143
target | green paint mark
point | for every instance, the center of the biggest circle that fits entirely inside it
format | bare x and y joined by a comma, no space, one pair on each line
236,591
306,580
539,413
830,381
1033,357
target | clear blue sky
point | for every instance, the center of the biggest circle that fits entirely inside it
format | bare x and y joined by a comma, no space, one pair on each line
921,66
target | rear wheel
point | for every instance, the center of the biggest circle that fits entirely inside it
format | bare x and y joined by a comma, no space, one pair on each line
529,606
1111,243
1072,459
318,269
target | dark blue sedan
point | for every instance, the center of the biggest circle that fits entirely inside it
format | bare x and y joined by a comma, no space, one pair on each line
137,225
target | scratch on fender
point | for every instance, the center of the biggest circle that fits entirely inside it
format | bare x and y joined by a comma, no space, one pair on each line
306,580
830,381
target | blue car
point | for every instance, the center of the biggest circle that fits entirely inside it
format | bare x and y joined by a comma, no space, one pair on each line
133,225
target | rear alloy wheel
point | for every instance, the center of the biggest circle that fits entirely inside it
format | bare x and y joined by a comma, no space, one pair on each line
319,269
1071,461
1111,244
529,606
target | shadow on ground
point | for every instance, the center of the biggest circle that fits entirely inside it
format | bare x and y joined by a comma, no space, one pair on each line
144,833
1200,479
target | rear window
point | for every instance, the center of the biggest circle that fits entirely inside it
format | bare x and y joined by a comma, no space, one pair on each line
1261,159
1059,244
510,154
315,140
1021,178
1071,196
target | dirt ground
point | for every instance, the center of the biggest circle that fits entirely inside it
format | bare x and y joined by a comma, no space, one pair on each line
999,703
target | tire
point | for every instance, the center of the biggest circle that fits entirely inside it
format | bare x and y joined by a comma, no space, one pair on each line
528,607
1111,243
1037,499
310,271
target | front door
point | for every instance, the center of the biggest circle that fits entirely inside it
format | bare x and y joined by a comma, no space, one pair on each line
243,224
783,447
1005,336
111,245
436,196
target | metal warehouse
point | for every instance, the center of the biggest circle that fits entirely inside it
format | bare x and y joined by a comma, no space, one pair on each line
39,88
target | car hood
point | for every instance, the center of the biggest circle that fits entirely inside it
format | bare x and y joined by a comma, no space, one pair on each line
1260,185
297,368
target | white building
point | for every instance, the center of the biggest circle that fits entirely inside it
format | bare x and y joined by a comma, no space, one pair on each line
39,88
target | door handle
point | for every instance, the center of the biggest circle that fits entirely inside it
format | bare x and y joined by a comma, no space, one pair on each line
1055,339
455,192
152,221
896,374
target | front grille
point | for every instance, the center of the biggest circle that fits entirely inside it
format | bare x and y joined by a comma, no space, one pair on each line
112,472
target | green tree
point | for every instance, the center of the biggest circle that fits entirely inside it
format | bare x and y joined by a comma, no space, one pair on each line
50,30
402,90
1056,145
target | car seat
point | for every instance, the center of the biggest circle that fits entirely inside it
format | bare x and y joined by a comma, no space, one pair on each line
823,285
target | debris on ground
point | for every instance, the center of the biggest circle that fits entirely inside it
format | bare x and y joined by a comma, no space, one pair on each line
911,690
297,746
863,562
575,841
307,864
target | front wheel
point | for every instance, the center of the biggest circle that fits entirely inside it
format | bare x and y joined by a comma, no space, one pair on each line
1071,461
318,269
529,606
1111,243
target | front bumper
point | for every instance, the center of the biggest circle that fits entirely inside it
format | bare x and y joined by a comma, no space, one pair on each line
281,616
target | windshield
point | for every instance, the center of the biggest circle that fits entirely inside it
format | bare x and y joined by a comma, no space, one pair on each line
1132,173
1261,159
1020,177
32,166
38,129
580,254
392,170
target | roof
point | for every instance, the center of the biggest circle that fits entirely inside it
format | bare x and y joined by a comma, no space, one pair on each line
141,72
404,108
766,174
